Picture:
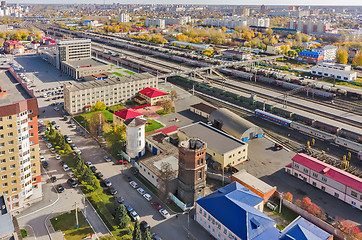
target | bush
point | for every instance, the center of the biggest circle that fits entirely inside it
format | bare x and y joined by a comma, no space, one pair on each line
61,152
57,148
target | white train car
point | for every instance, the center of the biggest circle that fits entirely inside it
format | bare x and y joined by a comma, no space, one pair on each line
312,131
359,156
349,144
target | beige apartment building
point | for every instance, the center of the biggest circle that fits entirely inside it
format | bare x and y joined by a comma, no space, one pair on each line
80,96
20,175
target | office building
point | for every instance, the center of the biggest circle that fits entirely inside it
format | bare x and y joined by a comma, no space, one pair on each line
70,50
20,178
123,17
327,178
78,97
221,147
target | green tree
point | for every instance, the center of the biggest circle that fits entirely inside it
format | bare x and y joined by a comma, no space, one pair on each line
88,176
121,216
96,123
147,235
137,231
342,56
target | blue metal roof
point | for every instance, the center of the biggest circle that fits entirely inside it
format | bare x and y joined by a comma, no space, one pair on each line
233,206
302,229
309,54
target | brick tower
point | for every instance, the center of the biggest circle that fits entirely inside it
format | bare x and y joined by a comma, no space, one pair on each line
192,170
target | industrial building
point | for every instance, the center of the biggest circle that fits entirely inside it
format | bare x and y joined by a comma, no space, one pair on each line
233,54
327,178
221,147
19,144
235,125
254,184
78,97
327,71
202,109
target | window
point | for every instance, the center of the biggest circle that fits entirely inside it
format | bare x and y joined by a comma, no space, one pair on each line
3,169
13,182
10,134
336,195
200,211
9,117
323,188
14,189
5,184
314,184
354,194
315,175
324,179
4,177
1,136
13,174
9,126
12,166
2,161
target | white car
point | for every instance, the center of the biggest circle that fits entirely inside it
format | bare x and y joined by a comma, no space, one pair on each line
69,140
66,168
133,184
134,216
141,191
42,158
88,164
164,213
147,196
57,157
107,182
49,145
57,127
56,109
108,159
78,151
73,125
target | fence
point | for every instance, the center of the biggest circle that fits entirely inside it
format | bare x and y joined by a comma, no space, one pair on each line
313,219
218,177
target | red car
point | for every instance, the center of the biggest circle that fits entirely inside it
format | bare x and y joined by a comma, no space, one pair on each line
156,205
120,162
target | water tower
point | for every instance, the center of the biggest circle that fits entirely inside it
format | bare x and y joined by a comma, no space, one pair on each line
135,137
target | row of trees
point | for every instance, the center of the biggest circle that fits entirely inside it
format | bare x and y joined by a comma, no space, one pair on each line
155,38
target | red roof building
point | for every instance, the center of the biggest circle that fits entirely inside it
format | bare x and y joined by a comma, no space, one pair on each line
120,116
151,95
337,182
13,47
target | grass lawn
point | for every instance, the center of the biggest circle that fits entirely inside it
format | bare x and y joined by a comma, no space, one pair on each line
67,224
163,112
116,107
109,69
119,68
286,213
112,65
129,72
84,118
23,233
118,74
155,125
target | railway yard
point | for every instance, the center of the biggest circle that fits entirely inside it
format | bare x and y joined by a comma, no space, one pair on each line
320,110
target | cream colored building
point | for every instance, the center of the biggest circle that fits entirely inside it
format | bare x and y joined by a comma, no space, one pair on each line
223,148
78,97
274,49
20,174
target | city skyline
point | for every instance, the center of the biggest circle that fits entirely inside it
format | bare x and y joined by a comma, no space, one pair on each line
202,2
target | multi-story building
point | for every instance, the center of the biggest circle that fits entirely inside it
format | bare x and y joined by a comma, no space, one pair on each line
310,56
236,21
123,17
329,52
309,27
13,47
78,97
191,170
152,96
233,54
156,22
20,175
329,179
223,148
274,49
75,49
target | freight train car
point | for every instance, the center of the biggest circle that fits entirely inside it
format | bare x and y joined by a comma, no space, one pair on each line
326,127
350,135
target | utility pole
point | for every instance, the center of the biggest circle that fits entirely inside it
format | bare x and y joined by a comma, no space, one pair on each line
76,215
281,202
85,210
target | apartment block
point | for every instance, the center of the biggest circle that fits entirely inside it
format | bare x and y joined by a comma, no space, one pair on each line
20,175
123,17
327,178
78,97
161,23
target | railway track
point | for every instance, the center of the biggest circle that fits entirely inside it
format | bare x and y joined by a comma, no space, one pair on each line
248,91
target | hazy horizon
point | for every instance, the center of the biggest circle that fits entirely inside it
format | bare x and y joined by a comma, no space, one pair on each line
201,2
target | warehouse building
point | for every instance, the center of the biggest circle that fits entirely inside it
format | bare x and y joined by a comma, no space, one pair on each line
338,74
235,125
78,97
202,109
221,147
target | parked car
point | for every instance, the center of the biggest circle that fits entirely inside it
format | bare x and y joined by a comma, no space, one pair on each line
108,159
134,216
99,175
113,191
52,150
154,236
144,225
69,140
78,151
73,146
88,164
49,145
156,205
53,123
128,207
60,188
56,109
62,163
147,196
72,183
45,164
42,158
57,157
133,184
71,174
53,179
93,168
141,191
66,168
57,127
107,182
119,199
164,213
73,125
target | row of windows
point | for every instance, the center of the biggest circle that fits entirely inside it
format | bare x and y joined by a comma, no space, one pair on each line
212,221
148,172
7,118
